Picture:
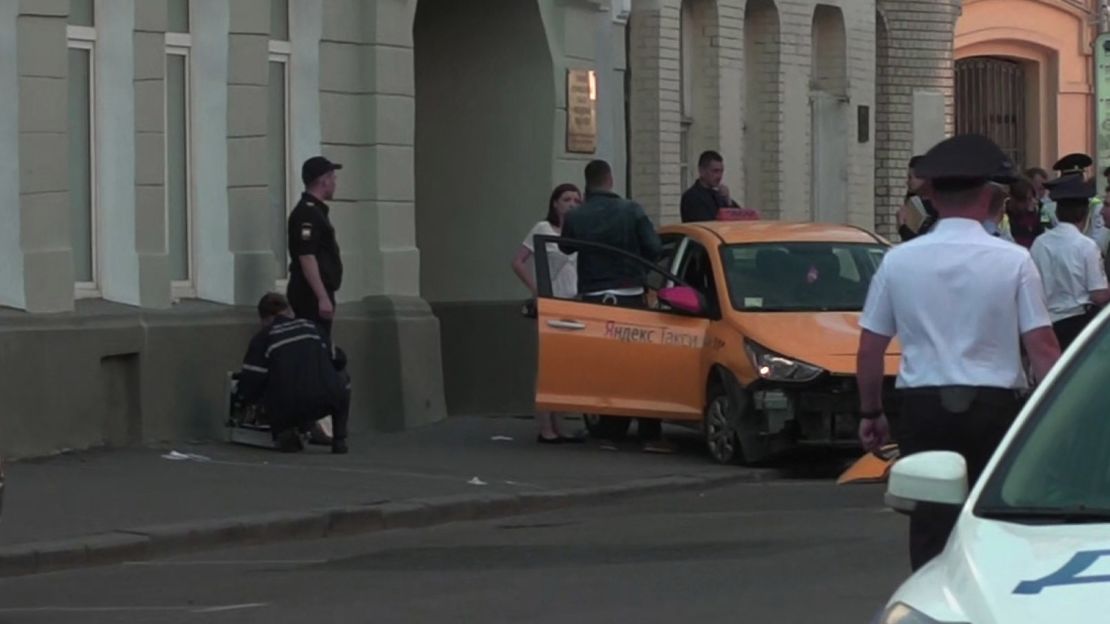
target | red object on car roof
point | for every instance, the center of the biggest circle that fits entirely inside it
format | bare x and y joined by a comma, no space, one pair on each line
738,214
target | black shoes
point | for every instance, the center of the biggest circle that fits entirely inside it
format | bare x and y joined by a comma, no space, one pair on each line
338,447
289,441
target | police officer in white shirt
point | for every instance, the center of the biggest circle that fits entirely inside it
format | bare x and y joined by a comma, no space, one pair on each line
962,303
1070,166
1070,263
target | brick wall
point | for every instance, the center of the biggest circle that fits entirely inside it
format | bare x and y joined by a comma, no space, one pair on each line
753,71
763,115
706,131
766,47
919,56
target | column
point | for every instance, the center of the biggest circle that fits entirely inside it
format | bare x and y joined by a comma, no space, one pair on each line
215,264
12,292
44,203
150,153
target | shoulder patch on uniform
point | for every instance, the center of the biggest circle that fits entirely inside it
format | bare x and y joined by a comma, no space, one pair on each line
306,231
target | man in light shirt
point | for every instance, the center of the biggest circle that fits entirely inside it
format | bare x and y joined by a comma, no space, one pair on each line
962,303
1070,264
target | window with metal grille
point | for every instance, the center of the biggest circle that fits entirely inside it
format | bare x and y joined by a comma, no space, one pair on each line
991,100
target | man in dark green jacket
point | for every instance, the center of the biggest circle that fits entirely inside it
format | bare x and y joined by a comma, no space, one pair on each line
603,277
609,219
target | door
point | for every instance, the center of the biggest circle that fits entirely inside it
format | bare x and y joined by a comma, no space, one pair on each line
830,162
619,361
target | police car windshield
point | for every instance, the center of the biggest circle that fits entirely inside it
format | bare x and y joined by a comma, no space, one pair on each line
1057,470
800,277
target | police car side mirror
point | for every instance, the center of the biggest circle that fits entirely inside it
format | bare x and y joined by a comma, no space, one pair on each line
938,477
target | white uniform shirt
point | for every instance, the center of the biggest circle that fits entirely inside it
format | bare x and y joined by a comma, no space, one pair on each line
1095,229
563,267
1071,267
958,300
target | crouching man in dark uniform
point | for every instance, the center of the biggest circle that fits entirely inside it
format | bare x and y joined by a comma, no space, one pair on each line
290,370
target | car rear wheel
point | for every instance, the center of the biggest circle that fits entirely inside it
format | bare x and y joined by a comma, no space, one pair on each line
607,427
721,433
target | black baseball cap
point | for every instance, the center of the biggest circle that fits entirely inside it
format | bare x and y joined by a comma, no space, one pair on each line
965,161
315,167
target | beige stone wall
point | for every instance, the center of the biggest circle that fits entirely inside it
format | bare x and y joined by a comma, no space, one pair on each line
760,121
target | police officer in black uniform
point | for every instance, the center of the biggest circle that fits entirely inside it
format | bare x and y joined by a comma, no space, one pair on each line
962,303
315,270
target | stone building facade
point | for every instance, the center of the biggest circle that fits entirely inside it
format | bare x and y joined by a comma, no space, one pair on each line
1039,54
150,149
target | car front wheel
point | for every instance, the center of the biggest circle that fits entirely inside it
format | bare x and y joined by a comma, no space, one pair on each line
721,435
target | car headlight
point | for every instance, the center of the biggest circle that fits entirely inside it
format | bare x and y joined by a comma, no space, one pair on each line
901,613
774,367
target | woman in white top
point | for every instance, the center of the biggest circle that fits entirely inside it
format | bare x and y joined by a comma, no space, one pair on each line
564,280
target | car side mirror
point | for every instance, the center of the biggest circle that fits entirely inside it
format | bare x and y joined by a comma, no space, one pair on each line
938,477
683,298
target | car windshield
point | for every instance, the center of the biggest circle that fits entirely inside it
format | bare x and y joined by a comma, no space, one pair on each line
800,277
1059,463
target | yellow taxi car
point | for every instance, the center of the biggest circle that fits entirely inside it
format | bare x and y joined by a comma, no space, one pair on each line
749,331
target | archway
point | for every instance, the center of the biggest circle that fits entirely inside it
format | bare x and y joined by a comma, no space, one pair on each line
762,106
829,110
484,160
485,109
698,77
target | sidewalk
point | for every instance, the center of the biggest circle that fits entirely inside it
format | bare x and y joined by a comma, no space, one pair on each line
110,506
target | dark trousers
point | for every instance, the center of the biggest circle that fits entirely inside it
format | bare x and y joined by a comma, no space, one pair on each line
303,418
1069,329
649,429
305,305
929,423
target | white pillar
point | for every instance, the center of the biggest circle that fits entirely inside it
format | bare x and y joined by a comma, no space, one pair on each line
115,150
211,27
306,28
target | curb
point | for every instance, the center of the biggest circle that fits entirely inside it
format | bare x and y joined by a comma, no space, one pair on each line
155,542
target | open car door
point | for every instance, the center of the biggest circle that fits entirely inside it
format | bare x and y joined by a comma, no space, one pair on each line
621,361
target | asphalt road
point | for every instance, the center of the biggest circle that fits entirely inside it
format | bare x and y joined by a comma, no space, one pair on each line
785,551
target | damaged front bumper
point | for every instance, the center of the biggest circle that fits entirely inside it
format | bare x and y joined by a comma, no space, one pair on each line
824,412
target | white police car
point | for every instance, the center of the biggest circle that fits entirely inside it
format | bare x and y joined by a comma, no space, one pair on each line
1032,544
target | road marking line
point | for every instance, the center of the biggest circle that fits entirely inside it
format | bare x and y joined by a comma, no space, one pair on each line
188,609
226,563
238,607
